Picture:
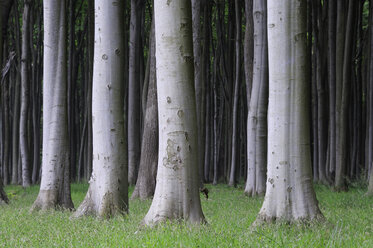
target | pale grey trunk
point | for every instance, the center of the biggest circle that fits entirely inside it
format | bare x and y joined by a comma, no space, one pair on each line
55,180
134,125
146,180
25,96
289,194
108,190
176,195
257,120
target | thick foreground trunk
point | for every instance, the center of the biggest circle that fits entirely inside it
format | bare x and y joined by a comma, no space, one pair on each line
289,195
176,195
108,190
55,181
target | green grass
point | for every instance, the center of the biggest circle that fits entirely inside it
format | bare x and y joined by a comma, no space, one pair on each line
228,212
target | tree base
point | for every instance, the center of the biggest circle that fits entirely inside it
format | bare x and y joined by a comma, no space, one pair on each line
105,209
49,200
263,220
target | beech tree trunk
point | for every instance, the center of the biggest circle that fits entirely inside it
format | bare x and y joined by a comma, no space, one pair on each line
55,181
289,195
257,118
25,95
341,155
176,195
134,124
108,190
249,49
146,180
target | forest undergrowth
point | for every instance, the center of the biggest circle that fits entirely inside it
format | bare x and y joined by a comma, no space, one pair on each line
229,214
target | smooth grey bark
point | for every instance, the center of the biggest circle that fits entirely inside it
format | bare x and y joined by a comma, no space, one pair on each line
332,22
134,124
25,95
237,84
146,180
318,16
340,45
15,132
199,83
257,117
176,195
341,154
289,195
3,195
249,49
55,180
108,190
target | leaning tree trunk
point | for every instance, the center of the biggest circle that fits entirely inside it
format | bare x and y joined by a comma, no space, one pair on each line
55,181
289,196
108,190
257,121
146,180
176,195
25,96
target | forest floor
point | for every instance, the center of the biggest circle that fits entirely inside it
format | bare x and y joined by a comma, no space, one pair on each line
228,211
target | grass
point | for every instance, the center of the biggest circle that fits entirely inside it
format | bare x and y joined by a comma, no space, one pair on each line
228,212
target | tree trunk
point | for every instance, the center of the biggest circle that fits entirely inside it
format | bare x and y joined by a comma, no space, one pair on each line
257,118
146,180
249,49
176,195
289,195
199,84
108,190
134,124
25,95
341,154
237,83
55,181
332,22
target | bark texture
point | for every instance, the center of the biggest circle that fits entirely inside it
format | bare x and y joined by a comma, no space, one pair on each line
55,183
176,195
146,180
134,124
25,96
108,190
289,195
257,117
